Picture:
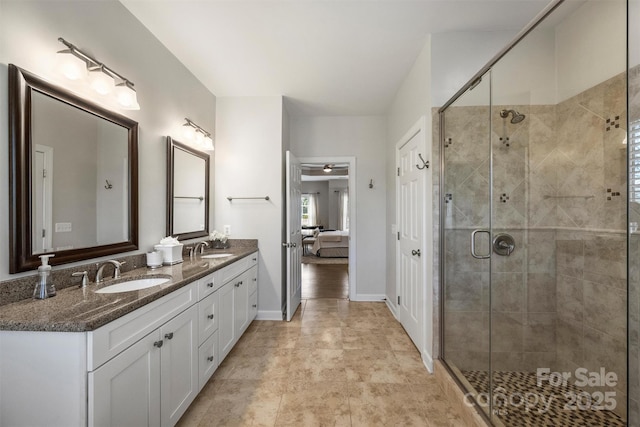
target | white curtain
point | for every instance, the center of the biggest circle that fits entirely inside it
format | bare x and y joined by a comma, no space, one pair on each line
343,210
313,209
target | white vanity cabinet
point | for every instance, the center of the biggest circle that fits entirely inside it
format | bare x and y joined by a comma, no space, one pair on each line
142,369
238,296
152,382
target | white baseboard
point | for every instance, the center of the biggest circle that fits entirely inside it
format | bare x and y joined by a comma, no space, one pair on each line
428,361
367,297
392,308
269,315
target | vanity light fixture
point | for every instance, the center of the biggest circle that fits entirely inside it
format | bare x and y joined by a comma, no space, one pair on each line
328,168
197,135
77,65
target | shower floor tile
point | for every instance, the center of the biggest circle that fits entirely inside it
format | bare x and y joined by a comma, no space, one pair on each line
546,404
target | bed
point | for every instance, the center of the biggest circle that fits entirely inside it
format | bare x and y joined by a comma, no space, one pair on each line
331,244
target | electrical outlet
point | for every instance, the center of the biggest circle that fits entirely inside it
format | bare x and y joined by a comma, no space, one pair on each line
63,227
227,230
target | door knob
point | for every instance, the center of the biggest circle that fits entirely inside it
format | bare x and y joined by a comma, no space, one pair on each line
415,252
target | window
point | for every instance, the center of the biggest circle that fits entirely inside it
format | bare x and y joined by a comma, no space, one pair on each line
309,210
305,209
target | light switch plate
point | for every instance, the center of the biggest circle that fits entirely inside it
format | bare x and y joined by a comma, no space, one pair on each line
227,230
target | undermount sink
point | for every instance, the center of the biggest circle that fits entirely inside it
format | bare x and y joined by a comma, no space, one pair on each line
216,256
133,285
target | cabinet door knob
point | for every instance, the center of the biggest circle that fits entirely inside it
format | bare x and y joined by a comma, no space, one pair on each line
210,285
255,259
237,285
169,335
158,344
255,280
210,358
255,306
210,316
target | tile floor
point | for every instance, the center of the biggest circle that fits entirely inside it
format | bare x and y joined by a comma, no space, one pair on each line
338,363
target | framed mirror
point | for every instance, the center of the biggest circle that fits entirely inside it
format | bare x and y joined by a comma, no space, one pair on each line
187,191
73,176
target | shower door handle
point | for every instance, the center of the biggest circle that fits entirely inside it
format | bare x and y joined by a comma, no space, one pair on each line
473,243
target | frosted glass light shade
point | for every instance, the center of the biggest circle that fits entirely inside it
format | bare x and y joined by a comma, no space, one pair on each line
188,132
208,144
199,138
100,81
71,66
126,96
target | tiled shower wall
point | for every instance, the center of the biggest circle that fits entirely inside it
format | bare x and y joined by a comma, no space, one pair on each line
559,188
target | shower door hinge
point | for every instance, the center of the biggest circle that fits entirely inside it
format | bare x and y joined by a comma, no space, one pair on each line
398,235
398,299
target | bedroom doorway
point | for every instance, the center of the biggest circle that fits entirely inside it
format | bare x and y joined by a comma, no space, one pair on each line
327,217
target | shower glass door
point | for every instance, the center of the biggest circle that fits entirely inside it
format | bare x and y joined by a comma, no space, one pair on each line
535,162
466,221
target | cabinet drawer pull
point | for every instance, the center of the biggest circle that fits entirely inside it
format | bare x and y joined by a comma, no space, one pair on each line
210,358
169,335
158,344
210,285
210,316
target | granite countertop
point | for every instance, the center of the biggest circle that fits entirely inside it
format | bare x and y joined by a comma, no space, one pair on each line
74,309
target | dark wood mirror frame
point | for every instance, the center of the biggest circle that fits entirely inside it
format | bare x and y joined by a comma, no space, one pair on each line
171,146
21,257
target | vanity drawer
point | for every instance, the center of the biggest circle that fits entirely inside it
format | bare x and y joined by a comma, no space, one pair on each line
252,277
253,259
208,284
253,306
112,338
207,316
207,359
233,270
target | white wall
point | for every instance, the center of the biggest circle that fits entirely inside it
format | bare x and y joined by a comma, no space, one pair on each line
249,144
363,138
526,75
167,91
410,103
457,56
587,58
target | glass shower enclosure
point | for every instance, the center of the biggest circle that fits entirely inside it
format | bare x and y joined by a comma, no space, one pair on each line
534,224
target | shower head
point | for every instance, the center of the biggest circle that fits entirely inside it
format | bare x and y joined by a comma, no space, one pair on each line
516,117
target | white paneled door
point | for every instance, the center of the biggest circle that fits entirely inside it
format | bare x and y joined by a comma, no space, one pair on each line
411,251
293,245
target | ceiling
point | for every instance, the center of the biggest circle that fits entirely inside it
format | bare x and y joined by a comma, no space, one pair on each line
327,57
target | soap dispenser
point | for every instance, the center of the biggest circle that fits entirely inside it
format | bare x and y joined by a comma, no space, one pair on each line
44,286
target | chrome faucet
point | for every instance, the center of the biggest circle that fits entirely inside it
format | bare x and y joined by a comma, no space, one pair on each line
199,247
116,269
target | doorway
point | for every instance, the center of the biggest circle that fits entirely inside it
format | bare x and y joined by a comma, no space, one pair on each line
327,218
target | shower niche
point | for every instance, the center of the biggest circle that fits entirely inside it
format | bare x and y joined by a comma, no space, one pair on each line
536,149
